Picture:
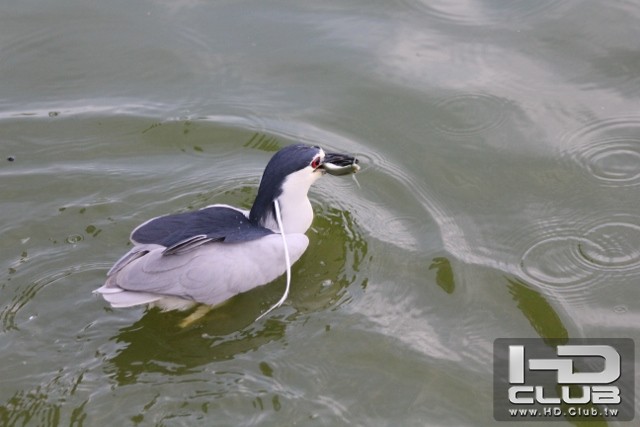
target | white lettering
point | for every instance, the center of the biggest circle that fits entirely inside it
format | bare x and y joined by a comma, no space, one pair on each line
564,367
605,394
585,398
513,394
545,400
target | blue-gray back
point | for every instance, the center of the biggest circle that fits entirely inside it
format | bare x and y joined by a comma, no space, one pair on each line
215,223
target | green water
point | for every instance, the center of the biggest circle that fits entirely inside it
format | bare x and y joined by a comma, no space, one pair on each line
499,198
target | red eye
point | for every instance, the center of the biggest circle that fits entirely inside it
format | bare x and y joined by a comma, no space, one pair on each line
315,163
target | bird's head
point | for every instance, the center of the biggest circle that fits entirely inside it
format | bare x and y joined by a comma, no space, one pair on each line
288,177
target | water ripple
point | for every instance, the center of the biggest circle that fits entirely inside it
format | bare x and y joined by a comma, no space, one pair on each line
556,260
613,245
48,403
579,256
471,113
609,150
9,312
476,13
389,222
25,294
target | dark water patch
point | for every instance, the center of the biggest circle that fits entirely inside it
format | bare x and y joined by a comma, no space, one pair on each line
157,344
335,262
60,398
617,69
444,274
261,141
542,316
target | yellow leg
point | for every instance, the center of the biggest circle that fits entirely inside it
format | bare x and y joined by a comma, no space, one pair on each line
197,314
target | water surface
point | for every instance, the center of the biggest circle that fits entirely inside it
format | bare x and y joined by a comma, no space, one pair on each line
500,144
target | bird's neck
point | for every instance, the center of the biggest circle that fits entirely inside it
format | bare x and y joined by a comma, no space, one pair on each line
296,213
295,208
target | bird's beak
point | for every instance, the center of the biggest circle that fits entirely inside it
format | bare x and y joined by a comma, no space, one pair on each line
339,164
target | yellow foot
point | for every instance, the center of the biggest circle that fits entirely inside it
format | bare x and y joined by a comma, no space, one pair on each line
197,314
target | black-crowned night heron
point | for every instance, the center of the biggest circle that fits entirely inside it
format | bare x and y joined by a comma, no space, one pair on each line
210,255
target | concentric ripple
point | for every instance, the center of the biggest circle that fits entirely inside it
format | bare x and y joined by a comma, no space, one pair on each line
25,294
469,113
564,257
613,245
609,150
556,261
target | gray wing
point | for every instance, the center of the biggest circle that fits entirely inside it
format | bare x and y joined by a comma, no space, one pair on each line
208,274
187,230
135,253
